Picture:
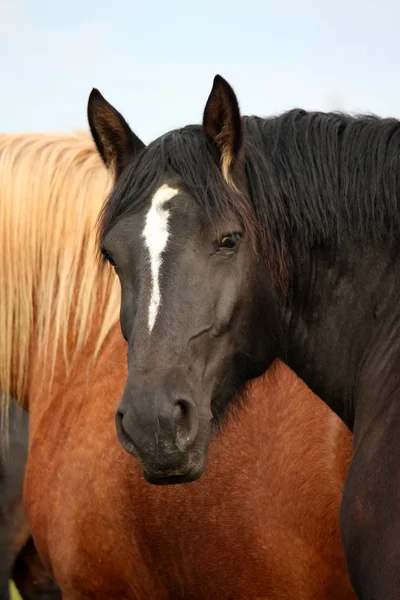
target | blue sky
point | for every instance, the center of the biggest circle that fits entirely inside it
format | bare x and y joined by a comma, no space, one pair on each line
155,60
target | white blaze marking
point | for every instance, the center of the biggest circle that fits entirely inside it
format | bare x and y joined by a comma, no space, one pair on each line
156,235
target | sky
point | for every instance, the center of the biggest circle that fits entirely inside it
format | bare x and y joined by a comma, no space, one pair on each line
155,60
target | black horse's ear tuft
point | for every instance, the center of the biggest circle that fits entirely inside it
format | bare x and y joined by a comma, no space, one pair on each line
115,141
222,125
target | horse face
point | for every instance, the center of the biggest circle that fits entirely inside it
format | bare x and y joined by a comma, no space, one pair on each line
191,317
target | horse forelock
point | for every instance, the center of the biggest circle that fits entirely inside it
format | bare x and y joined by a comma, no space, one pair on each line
182,153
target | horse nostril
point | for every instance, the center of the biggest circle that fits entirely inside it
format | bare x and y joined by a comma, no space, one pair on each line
118,419
123,436
187,423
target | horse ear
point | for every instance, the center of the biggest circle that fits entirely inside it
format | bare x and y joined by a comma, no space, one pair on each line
223,126
115,141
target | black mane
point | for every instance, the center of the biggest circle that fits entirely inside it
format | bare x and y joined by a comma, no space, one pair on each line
323,178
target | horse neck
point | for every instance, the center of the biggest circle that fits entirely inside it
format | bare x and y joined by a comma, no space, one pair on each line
54,369
68,329
341,316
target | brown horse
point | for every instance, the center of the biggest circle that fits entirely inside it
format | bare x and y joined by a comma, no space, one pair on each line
266,532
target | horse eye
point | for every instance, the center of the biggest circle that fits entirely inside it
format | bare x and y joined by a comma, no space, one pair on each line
228,242
108,258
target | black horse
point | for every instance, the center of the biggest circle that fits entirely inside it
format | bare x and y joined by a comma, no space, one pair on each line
247,239
19,559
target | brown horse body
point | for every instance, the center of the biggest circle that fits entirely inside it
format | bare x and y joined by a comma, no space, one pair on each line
263,523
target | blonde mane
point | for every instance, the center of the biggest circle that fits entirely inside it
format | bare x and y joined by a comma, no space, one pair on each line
52,285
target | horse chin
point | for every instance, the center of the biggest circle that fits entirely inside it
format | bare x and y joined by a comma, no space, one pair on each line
173,478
